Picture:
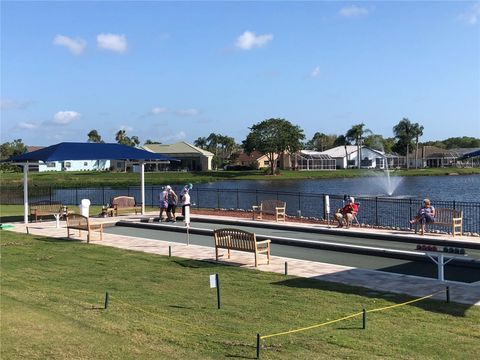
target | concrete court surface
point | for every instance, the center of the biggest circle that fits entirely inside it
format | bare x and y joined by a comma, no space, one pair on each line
466,293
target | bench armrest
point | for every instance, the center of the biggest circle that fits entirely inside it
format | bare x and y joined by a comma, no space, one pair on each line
264,242
280,208
256,207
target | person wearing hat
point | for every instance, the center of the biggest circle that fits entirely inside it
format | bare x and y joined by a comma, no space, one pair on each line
185,197
345,215
425,215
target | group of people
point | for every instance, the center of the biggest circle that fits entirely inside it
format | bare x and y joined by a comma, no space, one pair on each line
345,215
169,201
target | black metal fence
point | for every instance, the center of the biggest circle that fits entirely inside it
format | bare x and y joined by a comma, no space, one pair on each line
375,211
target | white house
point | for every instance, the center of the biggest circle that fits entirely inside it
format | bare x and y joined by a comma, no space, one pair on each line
74,165
71,165
346,156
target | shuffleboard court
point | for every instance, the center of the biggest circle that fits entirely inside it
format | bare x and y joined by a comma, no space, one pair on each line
425,268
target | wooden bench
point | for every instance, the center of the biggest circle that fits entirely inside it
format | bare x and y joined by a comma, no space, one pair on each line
274,207
235,239
447,217
122,203
47,208
82,223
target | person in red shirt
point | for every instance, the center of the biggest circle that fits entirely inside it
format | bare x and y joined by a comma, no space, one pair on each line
345,215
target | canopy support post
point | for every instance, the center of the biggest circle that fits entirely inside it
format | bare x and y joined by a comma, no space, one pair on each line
25,193
142,186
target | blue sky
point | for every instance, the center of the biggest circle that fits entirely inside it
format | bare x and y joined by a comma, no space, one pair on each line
171,71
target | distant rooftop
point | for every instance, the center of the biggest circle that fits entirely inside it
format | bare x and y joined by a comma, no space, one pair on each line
181,147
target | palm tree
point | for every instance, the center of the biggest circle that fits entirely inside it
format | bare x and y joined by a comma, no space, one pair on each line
201,142
405,133
356,134
120,136
417,131
94,137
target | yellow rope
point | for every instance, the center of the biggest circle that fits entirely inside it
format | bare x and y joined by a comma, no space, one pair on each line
350,316
311,327
405,303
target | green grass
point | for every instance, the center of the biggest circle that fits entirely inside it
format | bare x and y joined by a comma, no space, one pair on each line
163,308
90,178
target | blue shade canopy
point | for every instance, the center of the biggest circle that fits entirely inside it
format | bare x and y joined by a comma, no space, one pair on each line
472,154
89,151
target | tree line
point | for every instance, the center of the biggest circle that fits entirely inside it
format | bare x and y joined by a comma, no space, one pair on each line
278,136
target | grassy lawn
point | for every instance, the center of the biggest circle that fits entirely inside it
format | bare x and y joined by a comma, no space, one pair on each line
162,308
86,179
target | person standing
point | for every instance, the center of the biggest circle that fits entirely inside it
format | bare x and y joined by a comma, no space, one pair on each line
172,199
163,200
185,197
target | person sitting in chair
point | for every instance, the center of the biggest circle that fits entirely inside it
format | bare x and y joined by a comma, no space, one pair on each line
425,215
345,215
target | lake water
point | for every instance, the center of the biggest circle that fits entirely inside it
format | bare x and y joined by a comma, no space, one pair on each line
458,188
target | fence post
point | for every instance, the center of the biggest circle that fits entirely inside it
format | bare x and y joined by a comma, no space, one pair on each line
198,199
103,195
76,195
258,346
364,317
299,203
324,207
376,211
218,199
153,204
410,204
454,205
238,203
256,196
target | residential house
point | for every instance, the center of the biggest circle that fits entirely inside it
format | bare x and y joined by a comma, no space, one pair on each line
433,157
346,156
192,158
71,165
244,159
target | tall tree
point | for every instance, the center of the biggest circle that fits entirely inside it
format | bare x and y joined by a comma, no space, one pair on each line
8,149
356,134
122,138
321,142
274,137
404,133
417,132
94,137
201,142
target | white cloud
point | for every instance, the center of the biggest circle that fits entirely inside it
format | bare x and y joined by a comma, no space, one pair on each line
315,72
173,137
188,112
65,117
76,46
113,42
28,125
249,40
471,16
8,104
158,110
353,11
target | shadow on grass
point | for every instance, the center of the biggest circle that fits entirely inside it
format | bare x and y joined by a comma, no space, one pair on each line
7,219
58,240
432,305
194,264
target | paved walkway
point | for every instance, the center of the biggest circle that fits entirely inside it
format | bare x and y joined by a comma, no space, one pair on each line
375,280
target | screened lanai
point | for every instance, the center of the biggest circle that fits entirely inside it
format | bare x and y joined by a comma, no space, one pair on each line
313,160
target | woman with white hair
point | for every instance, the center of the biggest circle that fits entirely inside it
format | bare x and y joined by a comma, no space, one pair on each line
425,215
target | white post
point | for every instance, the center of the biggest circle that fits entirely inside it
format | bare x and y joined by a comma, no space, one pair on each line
142,186
25,193
440,264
